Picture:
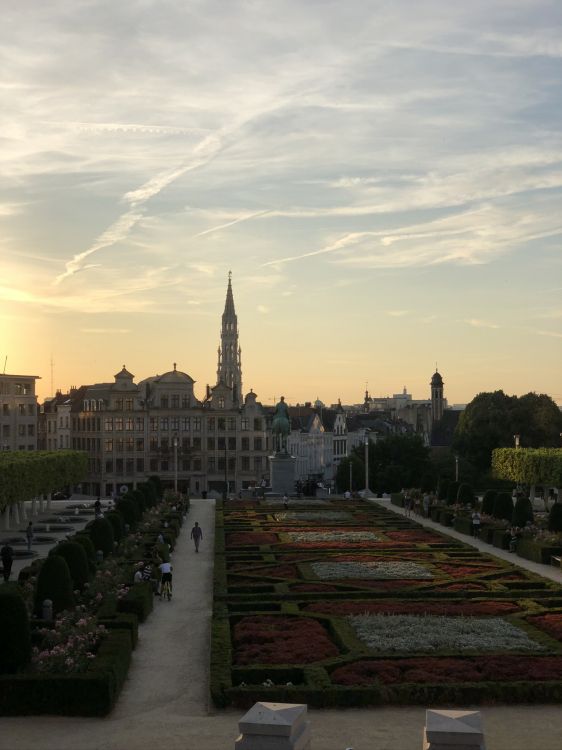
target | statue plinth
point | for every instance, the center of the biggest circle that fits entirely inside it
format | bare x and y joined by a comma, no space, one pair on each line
283,467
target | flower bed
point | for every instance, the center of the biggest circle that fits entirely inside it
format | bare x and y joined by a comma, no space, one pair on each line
328,571
453,608
333,536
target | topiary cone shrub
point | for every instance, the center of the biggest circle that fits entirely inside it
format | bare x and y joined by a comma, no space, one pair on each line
503,506
522,512
555,517
15,634
155,480
452,491
488,502
128,512
465,495
117,524
85,541
149,491
54,583
77,561
101,534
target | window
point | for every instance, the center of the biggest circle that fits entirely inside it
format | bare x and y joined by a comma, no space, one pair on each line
108,424
140,465
245,463
31,430
129,424
221,444
153,464
185,444
31,410
232,464
21,430
119,466
257,424
165,444
109,466
164,423
21,410
197,443
186,464
185,424
175,402
164,402
211,464
258,444
257,463
210,444
118,423
197,424
153,443
175,423
164,465
196,464
129,444
139,424
245,443
221,423
231,443
119,443
154,424
220,464
231,423
245,423
5,410
119,404
129,465
23,389
211,423
139,445
221,402
129,404
185,402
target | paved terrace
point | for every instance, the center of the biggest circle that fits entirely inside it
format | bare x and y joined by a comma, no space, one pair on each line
165,705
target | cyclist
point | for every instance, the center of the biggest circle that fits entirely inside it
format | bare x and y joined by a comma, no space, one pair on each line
166,571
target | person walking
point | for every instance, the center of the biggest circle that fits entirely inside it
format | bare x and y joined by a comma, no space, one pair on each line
7,556
196,535
29,535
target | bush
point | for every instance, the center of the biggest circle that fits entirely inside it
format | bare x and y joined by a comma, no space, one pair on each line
117,524
155,481
55,583
149,491
555,517
522,512
128,510
138,498
488,502
465,495
101,534
138,601
503,506
15,636
452,490
77,561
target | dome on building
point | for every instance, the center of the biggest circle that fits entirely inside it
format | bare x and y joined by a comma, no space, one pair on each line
436,380
174,376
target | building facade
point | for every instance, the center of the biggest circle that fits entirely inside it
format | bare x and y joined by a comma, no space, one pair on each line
18,412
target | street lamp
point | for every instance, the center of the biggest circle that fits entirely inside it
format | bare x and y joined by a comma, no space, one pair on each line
516,438
350,474
175,442
367,462
456,468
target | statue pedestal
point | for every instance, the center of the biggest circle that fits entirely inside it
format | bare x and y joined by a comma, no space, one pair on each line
283,468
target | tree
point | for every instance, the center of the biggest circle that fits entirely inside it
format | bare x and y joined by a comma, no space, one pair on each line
492,419
398,461
522,512
357,473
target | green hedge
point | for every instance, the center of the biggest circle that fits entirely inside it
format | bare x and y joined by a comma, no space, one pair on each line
530,549
528,465
27,474
92,693
138,601
463,524
396,498
15,634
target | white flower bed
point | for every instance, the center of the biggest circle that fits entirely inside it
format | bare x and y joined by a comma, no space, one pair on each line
319,515
384,633
372,570
306,501
333,536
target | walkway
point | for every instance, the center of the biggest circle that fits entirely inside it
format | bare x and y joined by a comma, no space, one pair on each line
164,702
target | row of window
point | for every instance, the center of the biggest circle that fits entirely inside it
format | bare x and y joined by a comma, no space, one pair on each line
131,465
25,388
128,404
176,424
22,431
22,410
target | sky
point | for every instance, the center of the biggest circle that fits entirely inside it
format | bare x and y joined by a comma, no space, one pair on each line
383,179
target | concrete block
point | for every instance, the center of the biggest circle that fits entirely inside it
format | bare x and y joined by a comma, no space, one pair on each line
274,726
453,730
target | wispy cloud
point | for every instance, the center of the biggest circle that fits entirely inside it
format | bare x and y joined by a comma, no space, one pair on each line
105,330
477,323
397,313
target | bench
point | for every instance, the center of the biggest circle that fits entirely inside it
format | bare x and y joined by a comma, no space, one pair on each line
556,560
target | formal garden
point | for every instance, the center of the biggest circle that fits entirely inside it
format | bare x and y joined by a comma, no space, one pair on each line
69,625
344,603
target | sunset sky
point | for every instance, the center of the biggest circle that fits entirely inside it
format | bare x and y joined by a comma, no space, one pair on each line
384,180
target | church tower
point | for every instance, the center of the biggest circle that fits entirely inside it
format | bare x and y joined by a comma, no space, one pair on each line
229,369
436,397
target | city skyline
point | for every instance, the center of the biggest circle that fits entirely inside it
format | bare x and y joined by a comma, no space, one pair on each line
385,185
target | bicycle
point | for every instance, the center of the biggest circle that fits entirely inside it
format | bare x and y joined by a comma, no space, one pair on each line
166,591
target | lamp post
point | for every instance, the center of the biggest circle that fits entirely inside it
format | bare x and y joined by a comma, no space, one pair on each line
456,468
175,444
225,473
367,462
350,475
516,438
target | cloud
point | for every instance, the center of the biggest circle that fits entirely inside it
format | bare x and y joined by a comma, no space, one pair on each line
476,323
397,313
243,217
262,309
105,330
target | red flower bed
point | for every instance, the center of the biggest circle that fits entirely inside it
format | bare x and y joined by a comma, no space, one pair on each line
415,537
313,587
398,583
461,571
239,538
344,545
468,586
435,670
465,609
281,640
550,623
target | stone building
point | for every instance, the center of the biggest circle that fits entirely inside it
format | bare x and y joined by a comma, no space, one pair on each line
18,412
158,426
